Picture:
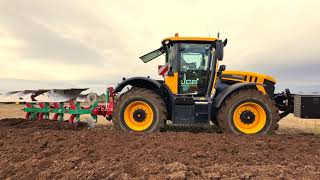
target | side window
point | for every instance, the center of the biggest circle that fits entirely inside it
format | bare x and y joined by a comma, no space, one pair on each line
172,58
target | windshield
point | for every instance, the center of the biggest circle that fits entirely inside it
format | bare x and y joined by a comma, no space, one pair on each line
194,56
152,55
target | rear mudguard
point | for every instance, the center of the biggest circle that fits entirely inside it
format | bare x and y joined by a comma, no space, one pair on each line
141,82
218,99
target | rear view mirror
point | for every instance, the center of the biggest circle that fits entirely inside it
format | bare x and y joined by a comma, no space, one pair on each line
219,50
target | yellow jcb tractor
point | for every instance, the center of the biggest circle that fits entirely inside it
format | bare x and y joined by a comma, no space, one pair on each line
197,91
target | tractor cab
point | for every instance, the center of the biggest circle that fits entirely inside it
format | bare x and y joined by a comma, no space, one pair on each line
189,64
189,73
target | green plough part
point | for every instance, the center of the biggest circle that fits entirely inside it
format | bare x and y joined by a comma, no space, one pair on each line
79,111
60,111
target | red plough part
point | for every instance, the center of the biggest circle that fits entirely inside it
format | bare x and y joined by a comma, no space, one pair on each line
107,109
40,115
56,115
29,105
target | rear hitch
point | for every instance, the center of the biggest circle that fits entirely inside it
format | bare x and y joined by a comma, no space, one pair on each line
285,102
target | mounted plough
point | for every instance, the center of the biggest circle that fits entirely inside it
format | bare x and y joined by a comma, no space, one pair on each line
41,103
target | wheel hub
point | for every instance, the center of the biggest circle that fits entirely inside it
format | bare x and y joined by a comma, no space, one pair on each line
247,117
139,115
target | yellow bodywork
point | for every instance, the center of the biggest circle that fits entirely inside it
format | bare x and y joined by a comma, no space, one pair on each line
250,74
172,83
249,77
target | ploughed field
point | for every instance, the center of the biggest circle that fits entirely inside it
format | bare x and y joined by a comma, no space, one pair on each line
46,149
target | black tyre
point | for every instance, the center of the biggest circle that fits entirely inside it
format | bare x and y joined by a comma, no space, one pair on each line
248,111
140,110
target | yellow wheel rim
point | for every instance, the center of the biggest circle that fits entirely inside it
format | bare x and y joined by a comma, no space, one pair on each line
249,118
138,116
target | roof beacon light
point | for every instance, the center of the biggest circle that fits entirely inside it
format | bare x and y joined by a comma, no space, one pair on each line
176,35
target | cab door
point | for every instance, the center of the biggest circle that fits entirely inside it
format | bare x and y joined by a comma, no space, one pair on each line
193,69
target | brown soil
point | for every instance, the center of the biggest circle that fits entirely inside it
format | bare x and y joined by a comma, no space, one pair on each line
46,150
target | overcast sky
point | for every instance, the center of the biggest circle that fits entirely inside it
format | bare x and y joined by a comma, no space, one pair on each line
61,44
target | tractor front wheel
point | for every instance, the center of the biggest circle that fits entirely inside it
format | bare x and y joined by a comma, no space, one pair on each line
248,111
139,110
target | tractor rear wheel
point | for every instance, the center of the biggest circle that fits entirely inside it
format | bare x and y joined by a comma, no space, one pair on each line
248,111
140,110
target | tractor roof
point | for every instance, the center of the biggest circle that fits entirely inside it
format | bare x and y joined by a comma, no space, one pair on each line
201,39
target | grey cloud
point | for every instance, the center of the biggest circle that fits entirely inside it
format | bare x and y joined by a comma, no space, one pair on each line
297,74
27,22
297,77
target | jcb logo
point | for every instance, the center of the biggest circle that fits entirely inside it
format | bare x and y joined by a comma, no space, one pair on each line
187,82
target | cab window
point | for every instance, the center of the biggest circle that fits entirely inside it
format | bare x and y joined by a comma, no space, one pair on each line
194,56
